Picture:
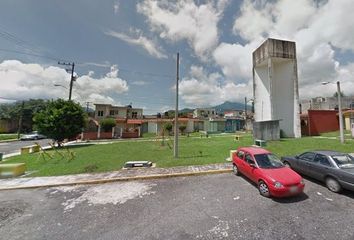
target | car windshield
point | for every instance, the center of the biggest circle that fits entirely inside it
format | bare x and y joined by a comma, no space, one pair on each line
343,161
268,160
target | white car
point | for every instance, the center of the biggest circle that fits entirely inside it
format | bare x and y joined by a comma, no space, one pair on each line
32,136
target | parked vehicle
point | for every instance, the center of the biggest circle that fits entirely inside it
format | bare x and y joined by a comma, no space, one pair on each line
336,169
32,136
272,177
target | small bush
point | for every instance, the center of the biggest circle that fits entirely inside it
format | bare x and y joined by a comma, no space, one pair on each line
107,124
168,127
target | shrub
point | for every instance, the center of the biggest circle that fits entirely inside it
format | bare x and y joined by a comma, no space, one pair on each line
107,124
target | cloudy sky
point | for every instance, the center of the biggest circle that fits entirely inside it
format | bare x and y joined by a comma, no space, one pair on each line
125,50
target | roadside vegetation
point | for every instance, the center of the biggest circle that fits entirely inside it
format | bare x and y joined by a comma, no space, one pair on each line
5,136
194,150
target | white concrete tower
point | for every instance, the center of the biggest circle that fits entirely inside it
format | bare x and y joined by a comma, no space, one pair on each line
275,85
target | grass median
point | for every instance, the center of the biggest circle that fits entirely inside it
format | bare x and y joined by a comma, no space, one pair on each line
7,137
192,151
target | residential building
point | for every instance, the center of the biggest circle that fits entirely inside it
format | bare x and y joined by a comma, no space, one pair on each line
325,103
348,119
118,112
204,113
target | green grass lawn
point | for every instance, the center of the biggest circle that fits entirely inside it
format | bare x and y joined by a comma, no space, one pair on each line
193,151
7,136
347,134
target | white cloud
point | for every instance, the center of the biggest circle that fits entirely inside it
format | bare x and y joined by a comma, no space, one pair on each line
317,27
202,89
139,40
23,81
139,83
235,60
184,20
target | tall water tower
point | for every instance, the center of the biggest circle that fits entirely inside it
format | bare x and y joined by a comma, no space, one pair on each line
275,86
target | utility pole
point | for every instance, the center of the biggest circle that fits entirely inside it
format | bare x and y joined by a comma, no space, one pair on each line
340,113
69,70
87,106
175,145
245,108
20,120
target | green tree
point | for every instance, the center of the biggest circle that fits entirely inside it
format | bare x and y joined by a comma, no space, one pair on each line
60,120
107,124
182,128
168,127
341,94
13,111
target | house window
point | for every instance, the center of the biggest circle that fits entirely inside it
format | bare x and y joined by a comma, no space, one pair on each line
116,112
100,113
134,114
111,112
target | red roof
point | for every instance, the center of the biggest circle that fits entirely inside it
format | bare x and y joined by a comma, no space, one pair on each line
134,121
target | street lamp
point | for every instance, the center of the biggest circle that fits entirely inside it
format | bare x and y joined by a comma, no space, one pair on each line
339,110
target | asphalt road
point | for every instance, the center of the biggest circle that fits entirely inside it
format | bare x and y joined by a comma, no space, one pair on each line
205,207
12,147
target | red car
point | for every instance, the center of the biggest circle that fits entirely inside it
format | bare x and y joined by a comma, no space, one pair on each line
267,171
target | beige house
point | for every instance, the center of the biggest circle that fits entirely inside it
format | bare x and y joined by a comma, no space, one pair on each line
348,119
204,113
118,112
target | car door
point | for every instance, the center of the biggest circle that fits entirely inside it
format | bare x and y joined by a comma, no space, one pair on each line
249,170
319,167
304,161
240,155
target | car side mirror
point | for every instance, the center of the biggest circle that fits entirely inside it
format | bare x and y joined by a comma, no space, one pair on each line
253,165
297,156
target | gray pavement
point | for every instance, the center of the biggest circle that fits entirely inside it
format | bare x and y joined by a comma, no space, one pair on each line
15,146
219,206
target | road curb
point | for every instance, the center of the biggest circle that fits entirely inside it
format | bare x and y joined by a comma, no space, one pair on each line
121,179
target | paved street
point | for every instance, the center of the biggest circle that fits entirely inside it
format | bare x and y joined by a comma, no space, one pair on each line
11,147
219,206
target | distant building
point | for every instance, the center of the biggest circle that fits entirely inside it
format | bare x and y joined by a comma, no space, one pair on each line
118,112
204,113
325,103
234,113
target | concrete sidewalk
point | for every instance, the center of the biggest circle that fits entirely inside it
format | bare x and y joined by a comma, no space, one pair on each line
121,175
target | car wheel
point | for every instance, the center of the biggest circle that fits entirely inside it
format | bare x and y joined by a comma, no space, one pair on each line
263,189
333,185
235,170
287,164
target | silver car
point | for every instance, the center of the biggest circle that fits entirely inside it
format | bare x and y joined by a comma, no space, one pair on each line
32,136
336,169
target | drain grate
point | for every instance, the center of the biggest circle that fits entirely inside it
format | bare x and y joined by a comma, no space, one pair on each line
135,164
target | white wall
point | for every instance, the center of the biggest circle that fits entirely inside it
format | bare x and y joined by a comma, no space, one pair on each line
262,94
276,94
283,95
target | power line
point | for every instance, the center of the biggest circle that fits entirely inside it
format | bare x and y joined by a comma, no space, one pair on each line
30,54
20,42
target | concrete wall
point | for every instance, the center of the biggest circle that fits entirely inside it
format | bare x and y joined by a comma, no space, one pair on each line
266,130
282,97
190,126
